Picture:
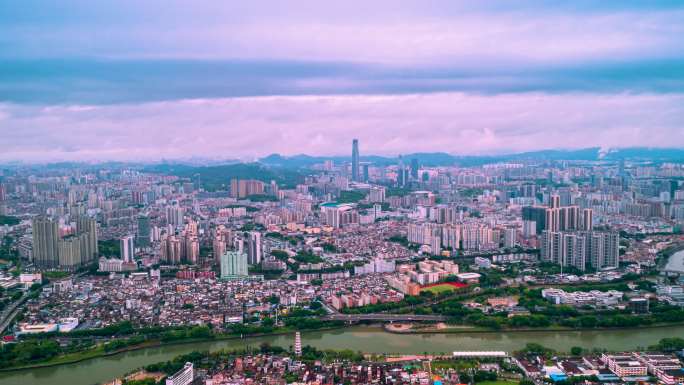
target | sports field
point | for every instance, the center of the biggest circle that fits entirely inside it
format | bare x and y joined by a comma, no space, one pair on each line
436,289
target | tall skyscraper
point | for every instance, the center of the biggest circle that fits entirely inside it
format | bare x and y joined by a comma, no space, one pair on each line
197,182
191,251
414,168
71,251
254,248
174,215
45,242
171,250
127,248
86,229
52,251
554,201
355,160
233,265
142,238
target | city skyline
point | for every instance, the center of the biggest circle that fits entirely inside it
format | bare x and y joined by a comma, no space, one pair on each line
116,81
301,192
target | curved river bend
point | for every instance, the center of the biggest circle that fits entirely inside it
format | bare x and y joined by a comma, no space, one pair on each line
366,339
676,262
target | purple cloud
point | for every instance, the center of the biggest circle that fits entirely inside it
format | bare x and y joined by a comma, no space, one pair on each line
251,127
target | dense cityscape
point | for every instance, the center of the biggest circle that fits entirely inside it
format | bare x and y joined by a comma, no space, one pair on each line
441,192
107,259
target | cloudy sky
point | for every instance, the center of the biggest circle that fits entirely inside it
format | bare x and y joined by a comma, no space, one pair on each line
142,80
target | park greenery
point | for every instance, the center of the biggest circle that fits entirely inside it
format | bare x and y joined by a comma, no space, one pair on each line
8,253
9,220
217,178
261,198
672,344
350,196
307,257
109,248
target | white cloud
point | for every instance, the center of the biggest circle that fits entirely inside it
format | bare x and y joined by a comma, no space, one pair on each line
386,124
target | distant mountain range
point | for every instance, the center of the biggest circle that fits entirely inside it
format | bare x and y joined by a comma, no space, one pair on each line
444,159
189,165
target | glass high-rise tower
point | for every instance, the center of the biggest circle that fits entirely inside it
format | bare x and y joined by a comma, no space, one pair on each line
355,160
142,238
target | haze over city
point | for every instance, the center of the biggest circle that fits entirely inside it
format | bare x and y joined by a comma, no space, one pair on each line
124,80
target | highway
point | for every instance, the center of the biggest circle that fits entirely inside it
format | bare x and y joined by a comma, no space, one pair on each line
383,317
8,314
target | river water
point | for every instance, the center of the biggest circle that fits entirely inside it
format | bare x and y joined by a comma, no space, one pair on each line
676,262
366,339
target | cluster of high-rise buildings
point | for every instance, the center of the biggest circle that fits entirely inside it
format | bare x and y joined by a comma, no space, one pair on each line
567,235
566,212
181,247
241,188
557,217
472,235
64,247
595,249
234,265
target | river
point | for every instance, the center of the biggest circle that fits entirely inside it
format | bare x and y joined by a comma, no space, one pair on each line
676,262
366,339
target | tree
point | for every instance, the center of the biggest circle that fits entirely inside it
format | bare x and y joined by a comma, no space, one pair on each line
670,344
576,351
274,299
588,321
537,350
268,322
465,378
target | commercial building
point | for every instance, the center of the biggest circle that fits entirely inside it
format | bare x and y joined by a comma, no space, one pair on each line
581,298
339,214
142,238
183,377
625,365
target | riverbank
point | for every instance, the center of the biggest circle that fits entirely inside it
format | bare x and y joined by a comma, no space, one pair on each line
99,352
371,339
464,329
672,260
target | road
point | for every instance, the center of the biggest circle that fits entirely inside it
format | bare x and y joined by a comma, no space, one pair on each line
383,317
8,314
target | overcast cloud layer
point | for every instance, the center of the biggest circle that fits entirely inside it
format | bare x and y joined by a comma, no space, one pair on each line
145,80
